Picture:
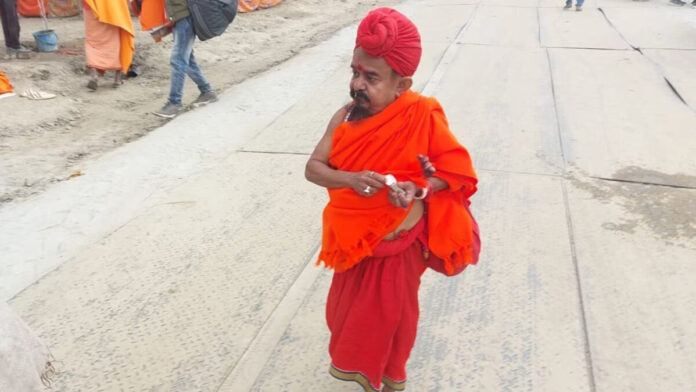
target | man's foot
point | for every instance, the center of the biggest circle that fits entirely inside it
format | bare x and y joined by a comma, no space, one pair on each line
677,2
168,111
568,6
578,8
118,79
205,99
20,49
92,84
22,52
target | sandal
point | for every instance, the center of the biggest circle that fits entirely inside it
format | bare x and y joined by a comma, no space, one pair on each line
35,94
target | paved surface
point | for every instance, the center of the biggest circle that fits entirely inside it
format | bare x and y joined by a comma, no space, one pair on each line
183,261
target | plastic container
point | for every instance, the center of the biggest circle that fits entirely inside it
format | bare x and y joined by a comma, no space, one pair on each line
46,40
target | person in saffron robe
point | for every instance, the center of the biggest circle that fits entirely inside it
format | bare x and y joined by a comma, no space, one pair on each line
379,239
109,39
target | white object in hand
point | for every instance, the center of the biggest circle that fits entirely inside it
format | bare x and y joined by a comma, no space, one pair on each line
390,181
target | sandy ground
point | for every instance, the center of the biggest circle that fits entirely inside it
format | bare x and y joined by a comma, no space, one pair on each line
42,142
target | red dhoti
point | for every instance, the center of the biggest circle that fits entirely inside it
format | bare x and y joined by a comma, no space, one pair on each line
372,313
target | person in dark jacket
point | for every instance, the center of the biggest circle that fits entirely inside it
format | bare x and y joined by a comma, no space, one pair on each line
183,62
10,28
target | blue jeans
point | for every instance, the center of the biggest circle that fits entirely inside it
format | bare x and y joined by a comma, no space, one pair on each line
579,3
183,63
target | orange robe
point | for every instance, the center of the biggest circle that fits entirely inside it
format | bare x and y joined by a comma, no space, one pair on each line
59,8
30,7
152,14
269,3
251,5
109,34
389,143
247,5
5,85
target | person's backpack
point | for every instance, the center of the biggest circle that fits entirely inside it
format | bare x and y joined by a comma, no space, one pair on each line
211,17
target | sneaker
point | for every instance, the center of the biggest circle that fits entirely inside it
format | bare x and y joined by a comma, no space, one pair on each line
677,2
578,8
204,99
21,52
568,6
21,49
168,111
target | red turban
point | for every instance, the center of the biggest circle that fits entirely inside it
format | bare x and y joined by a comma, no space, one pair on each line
388,34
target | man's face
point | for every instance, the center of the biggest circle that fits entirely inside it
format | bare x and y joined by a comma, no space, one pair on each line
374,85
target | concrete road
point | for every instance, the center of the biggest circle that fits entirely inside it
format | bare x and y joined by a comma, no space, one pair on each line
184,261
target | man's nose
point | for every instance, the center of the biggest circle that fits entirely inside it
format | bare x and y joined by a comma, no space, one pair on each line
358,83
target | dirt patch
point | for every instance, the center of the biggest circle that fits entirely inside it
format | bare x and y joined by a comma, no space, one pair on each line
638,174
668,211
42,142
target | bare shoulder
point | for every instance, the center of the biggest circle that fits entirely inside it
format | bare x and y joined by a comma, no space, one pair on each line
338,117
323,148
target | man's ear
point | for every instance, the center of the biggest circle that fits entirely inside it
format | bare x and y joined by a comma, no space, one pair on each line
405,83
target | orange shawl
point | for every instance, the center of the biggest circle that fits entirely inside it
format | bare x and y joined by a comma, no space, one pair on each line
5,85
116,13
389,143
153,14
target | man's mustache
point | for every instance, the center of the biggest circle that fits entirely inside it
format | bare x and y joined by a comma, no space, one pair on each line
359,94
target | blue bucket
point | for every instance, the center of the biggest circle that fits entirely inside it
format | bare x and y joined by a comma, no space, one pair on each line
46,40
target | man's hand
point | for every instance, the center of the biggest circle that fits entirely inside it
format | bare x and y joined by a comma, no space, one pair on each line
366,183
426,166
405,198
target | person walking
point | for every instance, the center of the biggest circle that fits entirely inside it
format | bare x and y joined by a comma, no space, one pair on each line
390,208
183,62
109,39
